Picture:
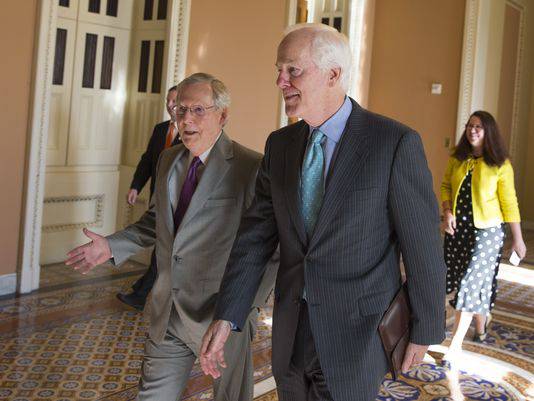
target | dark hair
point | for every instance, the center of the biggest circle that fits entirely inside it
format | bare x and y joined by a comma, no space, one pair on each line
493,148
173,88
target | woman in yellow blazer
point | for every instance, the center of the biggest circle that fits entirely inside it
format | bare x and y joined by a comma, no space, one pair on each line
478,197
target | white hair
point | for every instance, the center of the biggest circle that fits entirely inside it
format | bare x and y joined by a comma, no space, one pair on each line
221,96
329,49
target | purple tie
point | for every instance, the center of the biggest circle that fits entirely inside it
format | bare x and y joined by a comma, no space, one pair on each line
188,189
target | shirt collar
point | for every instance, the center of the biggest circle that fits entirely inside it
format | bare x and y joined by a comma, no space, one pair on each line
333,127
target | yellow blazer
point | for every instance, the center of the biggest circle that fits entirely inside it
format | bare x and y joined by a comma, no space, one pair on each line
492,190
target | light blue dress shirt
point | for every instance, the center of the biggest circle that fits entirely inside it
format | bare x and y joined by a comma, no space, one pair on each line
333,130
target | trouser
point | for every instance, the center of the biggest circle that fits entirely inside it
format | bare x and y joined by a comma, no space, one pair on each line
304,380
167,365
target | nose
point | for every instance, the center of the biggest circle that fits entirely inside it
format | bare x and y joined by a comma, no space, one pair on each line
283,80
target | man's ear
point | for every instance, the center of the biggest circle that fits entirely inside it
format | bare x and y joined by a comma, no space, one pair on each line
224,117
333,76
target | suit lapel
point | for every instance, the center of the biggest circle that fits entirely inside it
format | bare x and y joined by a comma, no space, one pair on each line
215,170
293,160
353,150
174,172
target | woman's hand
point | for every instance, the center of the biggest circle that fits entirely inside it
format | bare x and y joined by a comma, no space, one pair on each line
519,247
449,222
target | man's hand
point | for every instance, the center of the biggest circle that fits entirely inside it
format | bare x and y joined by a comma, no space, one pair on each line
212,350
87,256
131,197
414,355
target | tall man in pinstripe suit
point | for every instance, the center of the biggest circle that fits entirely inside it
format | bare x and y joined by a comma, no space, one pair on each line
344,192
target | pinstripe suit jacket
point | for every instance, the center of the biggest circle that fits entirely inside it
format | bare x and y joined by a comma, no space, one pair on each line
378,204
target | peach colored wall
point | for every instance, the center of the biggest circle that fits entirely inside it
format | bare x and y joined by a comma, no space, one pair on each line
237,43
416,43
527,206
16,46
526,202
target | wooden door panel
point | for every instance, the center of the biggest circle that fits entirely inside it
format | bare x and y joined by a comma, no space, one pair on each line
97,114
58,130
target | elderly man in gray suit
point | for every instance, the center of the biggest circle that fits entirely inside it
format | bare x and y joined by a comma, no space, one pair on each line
203,186
343,192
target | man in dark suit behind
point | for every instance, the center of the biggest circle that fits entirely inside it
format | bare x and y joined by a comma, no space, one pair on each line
163,136
344,192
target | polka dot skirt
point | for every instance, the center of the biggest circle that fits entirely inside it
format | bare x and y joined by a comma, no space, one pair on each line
472,256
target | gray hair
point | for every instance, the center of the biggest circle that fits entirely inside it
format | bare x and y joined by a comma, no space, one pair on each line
221,96
329,49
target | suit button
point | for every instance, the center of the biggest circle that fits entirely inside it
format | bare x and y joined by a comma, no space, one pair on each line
177,259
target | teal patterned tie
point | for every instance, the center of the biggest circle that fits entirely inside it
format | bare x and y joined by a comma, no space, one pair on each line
312,181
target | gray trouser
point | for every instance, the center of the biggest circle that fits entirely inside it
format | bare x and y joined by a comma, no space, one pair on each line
167,365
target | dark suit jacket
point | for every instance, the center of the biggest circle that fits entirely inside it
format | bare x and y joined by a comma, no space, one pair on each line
147,165
378,203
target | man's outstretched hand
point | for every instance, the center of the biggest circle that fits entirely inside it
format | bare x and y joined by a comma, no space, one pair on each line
212,350
85,257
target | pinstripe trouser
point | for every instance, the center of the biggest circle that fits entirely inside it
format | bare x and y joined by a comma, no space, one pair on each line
304,380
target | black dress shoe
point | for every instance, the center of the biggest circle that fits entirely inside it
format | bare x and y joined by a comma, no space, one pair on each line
132,300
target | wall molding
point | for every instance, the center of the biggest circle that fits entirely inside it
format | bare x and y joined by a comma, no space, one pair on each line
468,66
8,284
97,221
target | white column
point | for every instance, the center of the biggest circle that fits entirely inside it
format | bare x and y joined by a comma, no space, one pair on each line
360,33
481,59
34,186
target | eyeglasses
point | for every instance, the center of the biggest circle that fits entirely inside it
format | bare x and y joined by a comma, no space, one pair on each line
198,110
477,128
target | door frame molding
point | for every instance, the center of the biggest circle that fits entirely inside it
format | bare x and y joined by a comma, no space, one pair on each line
479,84
28,272
518,79
473,77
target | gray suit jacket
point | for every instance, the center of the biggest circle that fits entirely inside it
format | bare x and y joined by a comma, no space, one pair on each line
378,203
191,264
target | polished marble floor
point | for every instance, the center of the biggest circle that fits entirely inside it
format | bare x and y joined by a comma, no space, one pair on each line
73,340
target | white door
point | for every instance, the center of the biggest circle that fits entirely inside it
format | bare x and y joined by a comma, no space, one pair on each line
99,95
87,116
60,101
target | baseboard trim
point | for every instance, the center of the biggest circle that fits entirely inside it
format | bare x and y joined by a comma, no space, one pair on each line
8,284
